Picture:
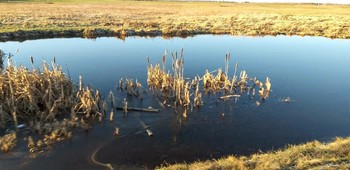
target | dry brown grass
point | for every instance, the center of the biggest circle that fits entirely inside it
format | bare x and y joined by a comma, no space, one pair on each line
312,155
125,18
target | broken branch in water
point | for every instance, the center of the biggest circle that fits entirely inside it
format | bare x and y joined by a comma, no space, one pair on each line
150,109
230,96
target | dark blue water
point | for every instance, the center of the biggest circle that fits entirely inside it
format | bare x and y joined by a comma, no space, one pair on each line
312,71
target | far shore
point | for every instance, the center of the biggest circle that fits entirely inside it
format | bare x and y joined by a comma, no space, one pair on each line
62,18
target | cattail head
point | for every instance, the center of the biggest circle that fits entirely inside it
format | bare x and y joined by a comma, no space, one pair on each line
268,84
111,115
31,60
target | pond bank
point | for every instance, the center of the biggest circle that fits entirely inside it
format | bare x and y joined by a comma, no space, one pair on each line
169,19
311,155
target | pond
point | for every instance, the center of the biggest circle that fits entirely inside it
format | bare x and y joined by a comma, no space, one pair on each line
311,71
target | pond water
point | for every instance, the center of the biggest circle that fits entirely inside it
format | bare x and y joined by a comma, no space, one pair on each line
312,71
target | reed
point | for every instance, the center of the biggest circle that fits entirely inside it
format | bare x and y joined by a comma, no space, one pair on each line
38,97
88,102
7,142
170,85
111,114
2,56
132,88
221,83
173,86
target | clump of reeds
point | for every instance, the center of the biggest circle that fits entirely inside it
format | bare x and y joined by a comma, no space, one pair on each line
41,94
237,85
132,88
172,85
7,142
38,97
88,101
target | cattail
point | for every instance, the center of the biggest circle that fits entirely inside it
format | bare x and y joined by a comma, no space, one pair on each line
125,107
69,135
121,84
62,91
164,61
31,60
233,83
80,83
116,131
31,143
111,115
2,117
14,115
184,114
261,91
236,67
268,84
227,59
148,61
111,97
104,108
40,143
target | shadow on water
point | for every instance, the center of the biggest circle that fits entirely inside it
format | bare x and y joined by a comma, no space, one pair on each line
307,75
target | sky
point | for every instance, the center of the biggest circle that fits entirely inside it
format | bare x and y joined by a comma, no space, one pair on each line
298,1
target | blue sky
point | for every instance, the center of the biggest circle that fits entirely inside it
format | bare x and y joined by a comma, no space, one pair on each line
298,1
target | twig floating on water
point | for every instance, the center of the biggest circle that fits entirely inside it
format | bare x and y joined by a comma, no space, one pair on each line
150,109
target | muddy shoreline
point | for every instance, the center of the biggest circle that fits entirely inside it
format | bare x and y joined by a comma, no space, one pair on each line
22,35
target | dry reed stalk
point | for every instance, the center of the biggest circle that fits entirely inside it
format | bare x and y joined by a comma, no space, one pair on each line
88,102
2,117
227,59
2,56
31,144
125,106
116,131
111,97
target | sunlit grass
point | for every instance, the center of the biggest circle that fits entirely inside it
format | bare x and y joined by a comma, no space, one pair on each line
311,155
114,17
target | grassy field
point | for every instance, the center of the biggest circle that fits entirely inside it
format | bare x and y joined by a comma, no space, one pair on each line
91,18
312,155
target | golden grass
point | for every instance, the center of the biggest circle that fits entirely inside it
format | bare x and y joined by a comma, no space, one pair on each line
311,155
123,18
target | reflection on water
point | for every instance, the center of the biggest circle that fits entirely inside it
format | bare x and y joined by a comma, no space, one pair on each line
309,100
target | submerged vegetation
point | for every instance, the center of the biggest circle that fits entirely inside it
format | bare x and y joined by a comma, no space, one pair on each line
311,155
158,18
